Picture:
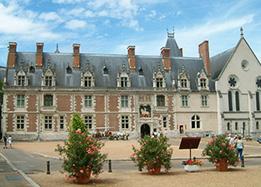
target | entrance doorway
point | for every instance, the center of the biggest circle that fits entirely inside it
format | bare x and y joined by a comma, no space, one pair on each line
181,129
144,130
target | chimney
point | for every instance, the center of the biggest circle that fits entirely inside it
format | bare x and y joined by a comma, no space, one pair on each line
165,54
131,57
181,51
204,54
39,54
11,55
76,55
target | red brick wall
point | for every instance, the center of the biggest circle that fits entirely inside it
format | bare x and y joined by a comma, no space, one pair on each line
10,103
31,103
32,126
63,102
100,120
78,101
9,125
113,122
170,104
100,103
113,103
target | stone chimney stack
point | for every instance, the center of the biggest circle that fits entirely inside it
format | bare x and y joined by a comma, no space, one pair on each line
204,54
165,54
39,54
11,55
131,57
76,56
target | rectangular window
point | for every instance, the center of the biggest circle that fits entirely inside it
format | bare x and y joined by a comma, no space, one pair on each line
183,83
257,125
236,126
203,83
257,101
48,122
228,126
20,122
61,122
123,81
184,100
204,100
164,121
237,101
20,100
88,121
124,101
48,80
48,100
160,100
87,81
230,103
124,122
88,101
159,82
21,80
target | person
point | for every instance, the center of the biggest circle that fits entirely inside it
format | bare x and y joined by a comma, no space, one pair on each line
239,148
5,142
9,140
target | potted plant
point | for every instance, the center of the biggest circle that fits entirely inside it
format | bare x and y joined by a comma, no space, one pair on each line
221,153
81,153
153,153
191,165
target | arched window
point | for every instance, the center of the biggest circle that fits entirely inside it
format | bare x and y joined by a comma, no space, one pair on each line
237,101
68,70
195,122
105,70
230,103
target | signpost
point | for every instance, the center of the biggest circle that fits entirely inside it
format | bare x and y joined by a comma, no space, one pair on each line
189,143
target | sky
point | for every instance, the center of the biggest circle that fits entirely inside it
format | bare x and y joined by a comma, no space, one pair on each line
110,26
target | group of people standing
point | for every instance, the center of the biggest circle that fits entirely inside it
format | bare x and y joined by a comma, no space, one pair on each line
237,142
7,141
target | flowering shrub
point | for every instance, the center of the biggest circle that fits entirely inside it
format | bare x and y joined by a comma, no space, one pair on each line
219,148
193,162
81,152
154,152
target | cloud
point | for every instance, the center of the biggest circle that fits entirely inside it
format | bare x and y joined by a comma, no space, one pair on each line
50,16
75,24
67,1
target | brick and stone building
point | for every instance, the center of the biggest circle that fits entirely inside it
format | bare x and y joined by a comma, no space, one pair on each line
130,93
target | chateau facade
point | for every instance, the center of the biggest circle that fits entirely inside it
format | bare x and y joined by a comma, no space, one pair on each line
134,94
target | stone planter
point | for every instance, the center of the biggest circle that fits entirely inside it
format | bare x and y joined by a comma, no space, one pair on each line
191,168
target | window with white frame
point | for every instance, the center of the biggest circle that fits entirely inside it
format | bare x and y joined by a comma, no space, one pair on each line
124,122
87,101
204,100
88,121
61,122
184,100
203,83
183,83
48,122
159,82
87,81
48,100
20,123
21,80
195,122
48,80
20,101
124,82
160,100
124,101
164,121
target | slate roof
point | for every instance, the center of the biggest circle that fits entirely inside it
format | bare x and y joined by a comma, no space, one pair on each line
174,49
219,61
148,63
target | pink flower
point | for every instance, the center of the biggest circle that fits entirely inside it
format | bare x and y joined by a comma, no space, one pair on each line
81,171
78,131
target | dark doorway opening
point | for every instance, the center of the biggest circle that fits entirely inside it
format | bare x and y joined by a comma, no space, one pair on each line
144,130
181,129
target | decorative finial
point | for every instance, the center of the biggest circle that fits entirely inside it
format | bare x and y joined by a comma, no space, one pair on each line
57,49
241,32
171,34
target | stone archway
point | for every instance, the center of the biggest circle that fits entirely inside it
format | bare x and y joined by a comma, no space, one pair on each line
144,130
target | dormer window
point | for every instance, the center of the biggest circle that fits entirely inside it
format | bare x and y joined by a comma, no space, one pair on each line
124,81
105,70
21,79
202,80
49,78
87,80
68,70
31,69
140,71
183,83
158,80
